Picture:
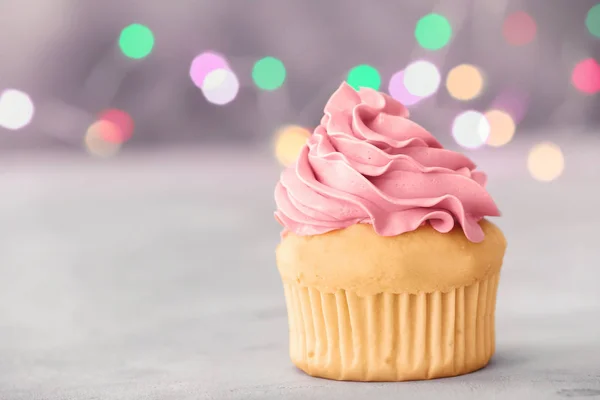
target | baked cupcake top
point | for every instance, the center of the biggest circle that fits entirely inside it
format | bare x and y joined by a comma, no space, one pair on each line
367,163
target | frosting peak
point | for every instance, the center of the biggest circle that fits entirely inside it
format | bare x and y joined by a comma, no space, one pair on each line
368,163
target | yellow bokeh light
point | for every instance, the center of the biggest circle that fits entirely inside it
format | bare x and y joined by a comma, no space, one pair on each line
288,143
502,127
464,82
95,143
545,162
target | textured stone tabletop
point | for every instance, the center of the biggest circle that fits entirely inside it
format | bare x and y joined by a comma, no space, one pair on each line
152,276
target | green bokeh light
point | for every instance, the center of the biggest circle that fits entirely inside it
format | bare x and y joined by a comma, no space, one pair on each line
268,73
433,32
592,21
364,76
136,41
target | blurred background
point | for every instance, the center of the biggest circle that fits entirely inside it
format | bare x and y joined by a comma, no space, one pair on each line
140,142
127,74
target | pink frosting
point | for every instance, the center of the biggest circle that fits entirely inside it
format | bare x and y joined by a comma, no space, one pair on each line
368,163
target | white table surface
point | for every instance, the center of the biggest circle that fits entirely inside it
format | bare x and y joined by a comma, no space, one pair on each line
152,276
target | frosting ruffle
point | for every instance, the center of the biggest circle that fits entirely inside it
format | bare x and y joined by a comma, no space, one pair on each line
368,163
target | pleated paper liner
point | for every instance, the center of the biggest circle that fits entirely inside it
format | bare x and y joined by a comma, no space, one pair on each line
391,337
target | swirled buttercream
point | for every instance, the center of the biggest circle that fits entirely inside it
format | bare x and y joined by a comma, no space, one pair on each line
367,163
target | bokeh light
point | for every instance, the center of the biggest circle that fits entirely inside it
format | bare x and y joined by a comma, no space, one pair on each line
268,73
592,20
513,101
289,140
471,129
121,128
398,91
422,78
95,142
433,32
545,162
16,109
519,28
464,82
136,41
364,76
220,86
205,63
586,76
502,127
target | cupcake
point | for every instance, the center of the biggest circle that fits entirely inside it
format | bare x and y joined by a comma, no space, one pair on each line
389,267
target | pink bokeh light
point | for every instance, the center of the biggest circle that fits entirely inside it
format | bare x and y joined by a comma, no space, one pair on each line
398,90
204,64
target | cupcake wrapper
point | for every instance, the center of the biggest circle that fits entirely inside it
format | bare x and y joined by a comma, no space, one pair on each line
391,337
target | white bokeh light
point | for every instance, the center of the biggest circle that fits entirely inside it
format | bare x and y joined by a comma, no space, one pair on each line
471,129
422,78
16,109
398,91
220,86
